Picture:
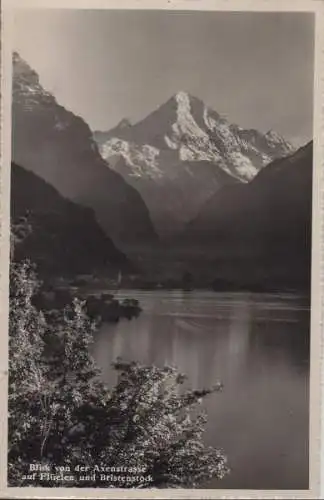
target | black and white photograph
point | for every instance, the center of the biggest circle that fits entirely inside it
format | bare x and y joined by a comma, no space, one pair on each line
161,239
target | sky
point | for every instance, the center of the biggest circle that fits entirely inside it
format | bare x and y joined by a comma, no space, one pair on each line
254,68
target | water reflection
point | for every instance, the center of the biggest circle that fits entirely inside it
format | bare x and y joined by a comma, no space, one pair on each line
258,346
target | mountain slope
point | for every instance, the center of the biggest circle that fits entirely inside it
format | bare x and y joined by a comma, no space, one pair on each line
58,146
176,196
260,231
185,142
64,237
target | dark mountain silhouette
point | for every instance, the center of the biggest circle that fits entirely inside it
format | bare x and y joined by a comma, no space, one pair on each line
259,231
58,146
62,238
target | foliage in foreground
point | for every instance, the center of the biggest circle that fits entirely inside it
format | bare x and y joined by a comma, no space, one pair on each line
62,415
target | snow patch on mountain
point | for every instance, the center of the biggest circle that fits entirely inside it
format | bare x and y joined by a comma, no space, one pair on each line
193,143
210,123
60,126
186,124
199,150
273,139
171,144
243,166
143,160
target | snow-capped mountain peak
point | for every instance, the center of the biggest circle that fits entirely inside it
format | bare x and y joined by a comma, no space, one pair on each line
182,153
189,130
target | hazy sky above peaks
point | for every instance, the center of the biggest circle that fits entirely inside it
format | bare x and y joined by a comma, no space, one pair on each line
255,68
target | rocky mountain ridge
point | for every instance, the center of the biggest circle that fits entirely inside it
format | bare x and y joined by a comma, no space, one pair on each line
58,146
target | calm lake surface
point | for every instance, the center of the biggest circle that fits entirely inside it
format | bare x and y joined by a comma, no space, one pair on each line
257,346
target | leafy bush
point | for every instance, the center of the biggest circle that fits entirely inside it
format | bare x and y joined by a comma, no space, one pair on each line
61,413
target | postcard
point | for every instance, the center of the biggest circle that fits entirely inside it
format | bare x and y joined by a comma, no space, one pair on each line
161,215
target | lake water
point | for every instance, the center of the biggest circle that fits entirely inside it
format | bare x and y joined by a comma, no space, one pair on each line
257,346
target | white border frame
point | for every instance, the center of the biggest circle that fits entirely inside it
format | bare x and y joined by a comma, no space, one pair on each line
316,373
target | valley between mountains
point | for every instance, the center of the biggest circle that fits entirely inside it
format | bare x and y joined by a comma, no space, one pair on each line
183,198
